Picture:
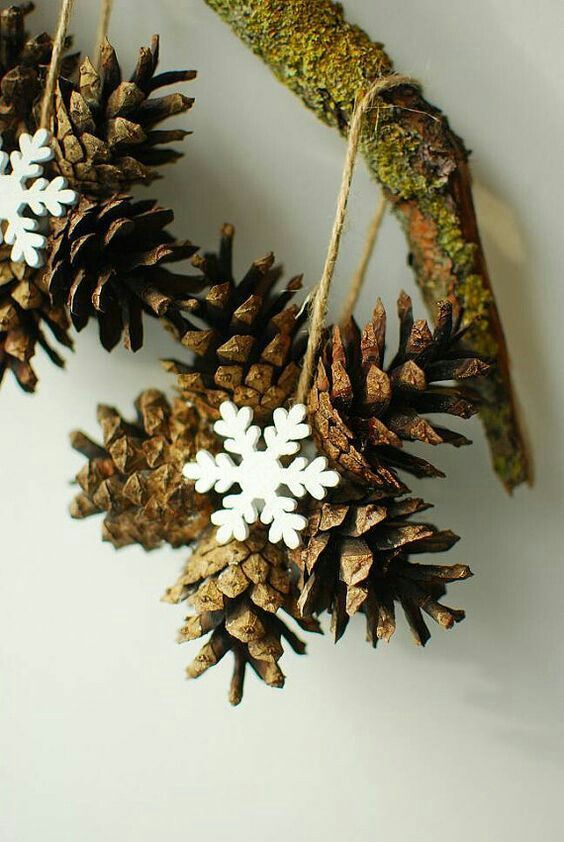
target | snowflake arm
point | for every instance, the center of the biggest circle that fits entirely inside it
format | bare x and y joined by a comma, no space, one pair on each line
50,196
286,524
218,472
282,439
235,427
26,243
238,511
34,151
313,478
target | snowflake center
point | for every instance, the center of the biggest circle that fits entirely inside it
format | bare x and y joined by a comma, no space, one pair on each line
260,477
12,197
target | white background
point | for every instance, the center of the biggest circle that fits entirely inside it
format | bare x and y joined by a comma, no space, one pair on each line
101,736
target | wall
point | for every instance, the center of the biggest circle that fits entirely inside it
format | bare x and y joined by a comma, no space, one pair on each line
102,738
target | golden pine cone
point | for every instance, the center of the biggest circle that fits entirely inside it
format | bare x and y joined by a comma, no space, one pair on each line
135,478
247,346
238,591
105,135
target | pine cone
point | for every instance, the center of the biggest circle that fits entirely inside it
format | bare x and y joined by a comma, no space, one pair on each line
362,411
135,478
104,128
355,557
25,310
248,349
23,66
236,591
107,259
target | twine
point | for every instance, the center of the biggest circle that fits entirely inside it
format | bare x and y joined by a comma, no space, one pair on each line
103,26
359,275
56,57
318,309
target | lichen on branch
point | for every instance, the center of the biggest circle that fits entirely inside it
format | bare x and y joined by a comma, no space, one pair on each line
420,163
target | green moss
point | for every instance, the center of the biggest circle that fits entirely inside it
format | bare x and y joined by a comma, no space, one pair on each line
508,458
311,48
391,161
449,234
475,297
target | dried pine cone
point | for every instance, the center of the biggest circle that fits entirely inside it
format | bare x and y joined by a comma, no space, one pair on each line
247,349
107,259
23,67
236,591
25,311
362,411
135,478
104,128
356,557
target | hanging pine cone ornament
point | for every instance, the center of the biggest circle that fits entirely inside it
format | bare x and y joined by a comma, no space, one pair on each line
109,259
24,61
362,411
105,129
247,345
27,319
238,588
356,556
238,592
135,477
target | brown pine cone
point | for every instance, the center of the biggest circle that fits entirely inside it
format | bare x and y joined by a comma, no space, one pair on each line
23,66
237,591
135,478
105,135
356,557
247,347
25,312
362,411
107,259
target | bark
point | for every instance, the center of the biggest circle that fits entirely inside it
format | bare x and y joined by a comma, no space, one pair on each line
420,163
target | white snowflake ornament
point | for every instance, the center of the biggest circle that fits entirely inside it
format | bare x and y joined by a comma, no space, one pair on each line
260,474
41,197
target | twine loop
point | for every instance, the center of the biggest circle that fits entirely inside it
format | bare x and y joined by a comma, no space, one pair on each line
318,306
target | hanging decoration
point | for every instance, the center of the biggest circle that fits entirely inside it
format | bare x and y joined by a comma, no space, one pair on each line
75,137
274,538
294,539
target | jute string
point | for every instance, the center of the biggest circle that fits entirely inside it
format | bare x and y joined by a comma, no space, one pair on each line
56,57
318,307
103,26
359,275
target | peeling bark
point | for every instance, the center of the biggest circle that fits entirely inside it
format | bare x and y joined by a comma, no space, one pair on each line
420,163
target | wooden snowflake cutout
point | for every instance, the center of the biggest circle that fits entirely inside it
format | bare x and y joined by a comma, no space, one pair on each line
41,197
260,474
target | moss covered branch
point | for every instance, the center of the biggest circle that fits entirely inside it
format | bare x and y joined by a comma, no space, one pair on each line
420,163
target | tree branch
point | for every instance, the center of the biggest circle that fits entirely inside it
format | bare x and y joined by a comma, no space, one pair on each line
420,163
